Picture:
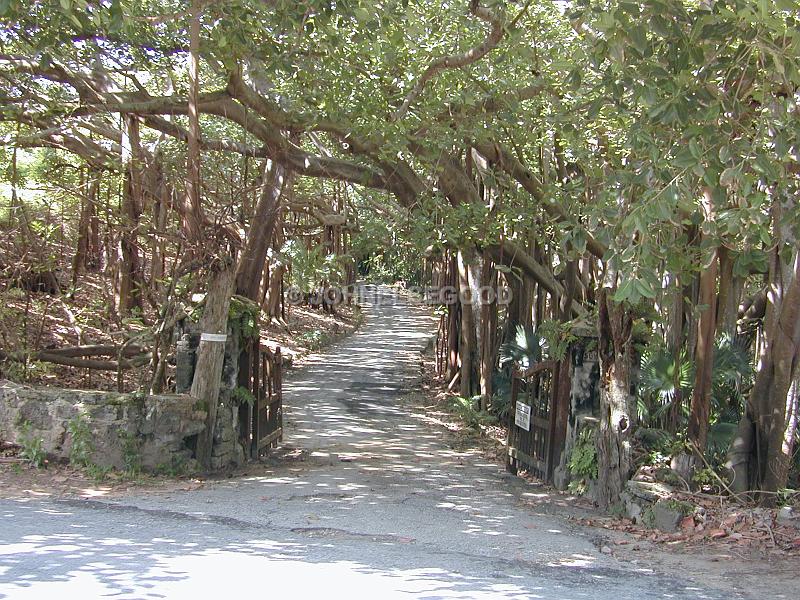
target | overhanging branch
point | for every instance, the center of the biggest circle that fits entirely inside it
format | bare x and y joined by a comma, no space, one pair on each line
455,61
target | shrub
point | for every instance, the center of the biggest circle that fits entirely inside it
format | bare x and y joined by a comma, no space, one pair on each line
81,448
32,447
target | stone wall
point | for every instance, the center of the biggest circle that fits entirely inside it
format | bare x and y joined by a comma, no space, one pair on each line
155,432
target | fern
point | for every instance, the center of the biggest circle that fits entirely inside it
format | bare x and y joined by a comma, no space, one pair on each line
583,460
661,375
311,267
732,378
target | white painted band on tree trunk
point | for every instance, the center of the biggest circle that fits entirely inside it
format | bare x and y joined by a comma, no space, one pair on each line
213,337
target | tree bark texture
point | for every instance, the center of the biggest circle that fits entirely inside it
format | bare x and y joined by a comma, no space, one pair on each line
131,280
773,401
210,355
468,343
617,404
192,209
251,263
81,259
704,358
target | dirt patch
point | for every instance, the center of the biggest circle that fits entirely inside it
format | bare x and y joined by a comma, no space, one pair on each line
737,570
35,321
20,480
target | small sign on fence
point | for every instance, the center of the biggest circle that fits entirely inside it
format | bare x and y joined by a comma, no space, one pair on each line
522,416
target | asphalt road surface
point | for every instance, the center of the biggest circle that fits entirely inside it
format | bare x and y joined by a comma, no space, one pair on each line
368,501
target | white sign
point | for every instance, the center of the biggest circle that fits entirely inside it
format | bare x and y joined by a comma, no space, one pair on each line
522,417
213,337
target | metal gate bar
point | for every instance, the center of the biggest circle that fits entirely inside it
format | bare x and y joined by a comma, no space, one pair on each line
261,422
534,390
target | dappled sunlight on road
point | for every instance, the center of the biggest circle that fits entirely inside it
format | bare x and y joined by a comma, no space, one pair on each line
366,499
199,558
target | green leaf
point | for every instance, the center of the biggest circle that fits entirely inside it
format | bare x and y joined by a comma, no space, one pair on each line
644,288
579,240
594,107
729,177
765,166
685,159
626,292
638,37
711,175
694,148
362,15
117,16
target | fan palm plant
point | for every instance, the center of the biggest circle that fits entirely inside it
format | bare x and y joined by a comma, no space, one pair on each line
664,378
524,350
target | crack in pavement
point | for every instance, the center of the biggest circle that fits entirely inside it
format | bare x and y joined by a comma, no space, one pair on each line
501,567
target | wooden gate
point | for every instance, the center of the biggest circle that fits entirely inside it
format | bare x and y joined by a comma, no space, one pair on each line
533,420
261,422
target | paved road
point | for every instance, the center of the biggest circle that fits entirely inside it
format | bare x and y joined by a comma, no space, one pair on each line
369,501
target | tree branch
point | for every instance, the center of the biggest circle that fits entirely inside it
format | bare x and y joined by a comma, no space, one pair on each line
525,177
221,104
455,61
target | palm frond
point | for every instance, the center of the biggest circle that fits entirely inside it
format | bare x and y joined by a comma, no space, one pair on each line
526,349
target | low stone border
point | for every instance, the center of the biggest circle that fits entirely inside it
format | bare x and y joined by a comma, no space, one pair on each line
124,431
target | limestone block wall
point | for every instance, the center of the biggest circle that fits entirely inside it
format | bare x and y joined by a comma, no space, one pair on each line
155,431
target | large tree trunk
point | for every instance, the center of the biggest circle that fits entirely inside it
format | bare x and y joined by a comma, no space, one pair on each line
468,343
81,258
222,280
192,209
704,358
476,267
730,294
488,326
250,269
259,237
161,195
761,453
94,249
617,404
773,402
273,292
210,355
131,281
675,342
453,321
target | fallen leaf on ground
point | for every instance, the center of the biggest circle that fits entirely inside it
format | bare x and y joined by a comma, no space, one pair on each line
717,534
